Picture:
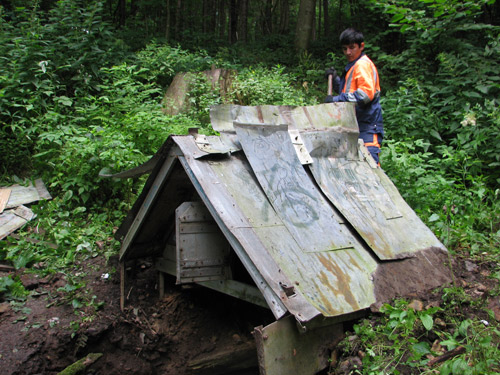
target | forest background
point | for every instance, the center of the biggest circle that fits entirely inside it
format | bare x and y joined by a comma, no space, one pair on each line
82,82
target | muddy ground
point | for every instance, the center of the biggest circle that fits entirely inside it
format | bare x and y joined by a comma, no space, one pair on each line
153,335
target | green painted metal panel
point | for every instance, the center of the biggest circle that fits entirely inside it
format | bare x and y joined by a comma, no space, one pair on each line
385,222
334,282
314,224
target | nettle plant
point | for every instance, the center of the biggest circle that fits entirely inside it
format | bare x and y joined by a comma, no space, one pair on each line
404,340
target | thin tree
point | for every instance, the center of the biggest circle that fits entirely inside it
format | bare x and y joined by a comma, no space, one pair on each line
233,21
326,19
167,21
243,20
284,24
305,24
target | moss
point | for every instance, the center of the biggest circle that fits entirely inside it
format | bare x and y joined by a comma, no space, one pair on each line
81,364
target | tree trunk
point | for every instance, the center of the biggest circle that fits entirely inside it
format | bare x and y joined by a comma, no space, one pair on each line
222,18
242,21
167,21
267,18
320,18
212,17
340,24
233,21
121,10
177,28
305,24
326,19
284,26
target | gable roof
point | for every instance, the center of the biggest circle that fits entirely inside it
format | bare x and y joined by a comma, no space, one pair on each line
319,227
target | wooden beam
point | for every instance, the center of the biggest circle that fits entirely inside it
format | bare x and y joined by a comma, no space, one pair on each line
228,360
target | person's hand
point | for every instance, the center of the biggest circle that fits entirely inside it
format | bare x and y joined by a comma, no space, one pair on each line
330,72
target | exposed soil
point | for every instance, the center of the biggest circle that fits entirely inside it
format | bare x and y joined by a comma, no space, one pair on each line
153,335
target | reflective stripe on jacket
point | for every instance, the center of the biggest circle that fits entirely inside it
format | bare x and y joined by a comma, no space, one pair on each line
361,82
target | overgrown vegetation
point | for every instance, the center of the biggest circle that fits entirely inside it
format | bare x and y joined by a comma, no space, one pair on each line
77,99
408,338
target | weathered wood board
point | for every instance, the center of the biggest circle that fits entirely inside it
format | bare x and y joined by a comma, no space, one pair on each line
11,220
282,349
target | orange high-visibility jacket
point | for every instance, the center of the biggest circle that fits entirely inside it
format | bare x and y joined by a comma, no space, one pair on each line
360,84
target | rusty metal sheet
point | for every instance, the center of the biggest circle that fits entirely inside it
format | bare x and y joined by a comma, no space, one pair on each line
320,116
331,283
299,204
357,191
319,277
306,256
297,118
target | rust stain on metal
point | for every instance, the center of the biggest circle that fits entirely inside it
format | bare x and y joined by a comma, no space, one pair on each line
343,285
306,112
259,114
325,302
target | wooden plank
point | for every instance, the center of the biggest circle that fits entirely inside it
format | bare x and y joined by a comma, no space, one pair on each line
202,251
27,194
322,116
166,265
123,275
25,213
11,220
281,349
4,198
41,189
229,360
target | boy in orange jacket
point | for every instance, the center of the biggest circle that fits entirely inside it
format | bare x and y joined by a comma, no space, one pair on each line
360,84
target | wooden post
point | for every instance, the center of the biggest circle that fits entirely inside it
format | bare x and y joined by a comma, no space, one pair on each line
122,285
161,284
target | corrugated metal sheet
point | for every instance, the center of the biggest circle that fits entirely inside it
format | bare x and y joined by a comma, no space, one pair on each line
310,219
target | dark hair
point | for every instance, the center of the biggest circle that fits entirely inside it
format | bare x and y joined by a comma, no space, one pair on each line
350,36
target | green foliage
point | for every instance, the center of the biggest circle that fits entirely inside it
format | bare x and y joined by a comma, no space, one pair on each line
402,338
260,86
46,59
162,62
12,289
481,344
442,121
